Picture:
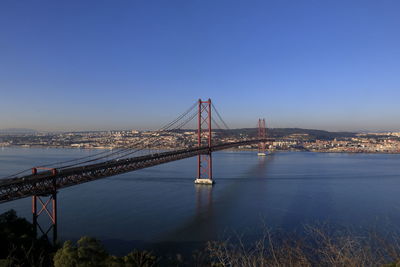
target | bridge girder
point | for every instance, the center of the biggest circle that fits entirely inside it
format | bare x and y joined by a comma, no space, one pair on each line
47,182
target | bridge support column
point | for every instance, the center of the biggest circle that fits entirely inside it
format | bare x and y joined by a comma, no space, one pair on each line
46,205
49,212
204,161
262,134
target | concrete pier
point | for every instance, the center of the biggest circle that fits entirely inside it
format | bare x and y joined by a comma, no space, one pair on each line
204,181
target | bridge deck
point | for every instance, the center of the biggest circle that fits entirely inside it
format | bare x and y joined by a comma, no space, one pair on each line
45,182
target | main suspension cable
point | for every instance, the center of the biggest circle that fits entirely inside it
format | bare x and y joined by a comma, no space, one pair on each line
219,116
137,144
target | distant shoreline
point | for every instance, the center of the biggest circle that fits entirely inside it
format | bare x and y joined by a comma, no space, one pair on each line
230,149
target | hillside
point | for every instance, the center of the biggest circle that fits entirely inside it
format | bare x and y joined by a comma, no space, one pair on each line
286,132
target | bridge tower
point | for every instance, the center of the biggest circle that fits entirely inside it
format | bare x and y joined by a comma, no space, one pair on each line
204,161
262,134
48,212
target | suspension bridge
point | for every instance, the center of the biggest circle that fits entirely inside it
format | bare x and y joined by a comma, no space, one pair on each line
43,182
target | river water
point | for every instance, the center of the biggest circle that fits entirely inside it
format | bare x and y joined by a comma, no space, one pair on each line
162,207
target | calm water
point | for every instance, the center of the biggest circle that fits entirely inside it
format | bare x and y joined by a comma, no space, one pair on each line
161,206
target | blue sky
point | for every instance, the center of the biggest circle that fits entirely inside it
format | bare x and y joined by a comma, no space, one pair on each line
85,65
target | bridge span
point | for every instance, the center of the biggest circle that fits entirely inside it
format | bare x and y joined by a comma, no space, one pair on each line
46,182
44,185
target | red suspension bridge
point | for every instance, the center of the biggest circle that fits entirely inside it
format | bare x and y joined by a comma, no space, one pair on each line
43,183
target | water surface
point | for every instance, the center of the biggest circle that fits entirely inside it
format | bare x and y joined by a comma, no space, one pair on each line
162,205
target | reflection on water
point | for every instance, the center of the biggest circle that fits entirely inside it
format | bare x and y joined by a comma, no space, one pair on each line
203,200
162,208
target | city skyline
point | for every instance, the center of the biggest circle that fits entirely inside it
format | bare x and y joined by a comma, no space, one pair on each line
95,65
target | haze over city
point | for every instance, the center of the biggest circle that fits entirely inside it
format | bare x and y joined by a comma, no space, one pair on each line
99,65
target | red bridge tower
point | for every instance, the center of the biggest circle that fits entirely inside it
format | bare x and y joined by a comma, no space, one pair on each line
262,134
204,161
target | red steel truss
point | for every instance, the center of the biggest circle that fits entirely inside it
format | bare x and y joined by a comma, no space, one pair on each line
48,212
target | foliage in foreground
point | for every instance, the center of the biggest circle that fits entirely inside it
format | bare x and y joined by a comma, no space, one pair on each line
18,245
320,246
317,248
90,252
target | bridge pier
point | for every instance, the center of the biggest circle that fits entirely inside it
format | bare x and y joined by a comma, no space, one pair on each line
204,170
205,181
48,212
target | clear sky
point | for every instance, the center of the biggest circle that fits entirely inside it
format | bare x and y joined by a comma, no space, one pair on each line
83,65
